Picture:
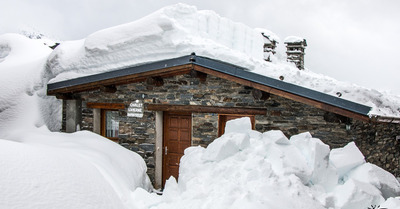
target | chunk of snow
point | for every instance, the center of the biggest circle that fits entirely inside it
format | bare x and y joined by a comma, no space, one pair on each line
317,155
391,203
238,125
354,194
226,145
276,136
376,176
347,158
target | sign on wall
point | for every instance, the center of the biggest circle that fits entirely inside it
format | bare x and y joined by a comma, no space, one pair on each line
135,109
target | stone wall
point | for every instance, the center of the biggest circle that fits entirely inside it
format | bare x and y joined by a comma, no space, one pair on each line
377,141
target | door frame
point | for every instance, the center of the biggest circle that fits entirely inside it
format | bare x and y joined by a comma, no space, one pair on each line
164,119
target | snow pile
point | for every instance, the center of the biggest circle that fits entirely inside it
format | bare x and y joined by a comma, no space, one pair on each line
41,169
179,30
247,169
23,100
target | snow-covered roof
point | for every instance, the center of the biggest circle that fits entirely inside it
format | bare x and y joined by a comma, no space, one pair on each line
293,39
269,34
180,29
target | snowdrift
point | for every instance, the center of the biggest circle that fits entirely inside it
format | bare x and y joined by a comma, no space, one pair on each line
42,169
179,30
23,100
248,169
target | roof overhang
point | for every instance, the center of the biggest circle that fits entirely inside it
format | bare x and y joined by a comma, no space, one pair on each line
186,64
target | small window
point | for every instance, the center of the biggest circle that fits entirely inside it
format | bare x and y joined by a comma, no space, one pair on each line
110,124
223,118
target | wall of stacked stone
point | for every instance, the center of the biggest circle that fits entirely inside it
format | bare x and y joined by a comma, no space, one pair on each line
377,141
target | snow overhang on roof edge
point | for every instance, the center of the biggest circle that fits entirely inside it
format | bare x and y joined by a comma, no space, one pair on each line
218,66
385,119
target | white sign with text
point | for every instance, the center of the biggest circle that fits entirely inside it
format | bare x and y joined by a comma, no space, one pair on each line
135,109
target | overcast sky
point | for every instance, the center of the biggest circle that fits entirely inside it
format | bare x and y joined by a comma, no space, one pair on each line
350,40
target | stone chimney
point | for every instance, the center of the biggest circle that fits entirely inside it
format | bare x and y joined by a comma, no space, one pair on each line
271,40
269,46
295,50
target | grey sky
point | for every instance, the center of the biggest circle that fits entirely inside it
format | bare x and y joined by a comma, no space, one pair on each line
352,41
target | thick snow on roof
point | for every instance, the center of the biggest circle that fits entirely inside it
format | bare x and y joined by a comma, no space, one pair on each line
271,35
293,39
170,32
181,29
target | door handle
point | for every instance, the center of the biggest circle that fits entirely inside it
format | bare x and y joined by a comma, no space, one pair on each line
166,150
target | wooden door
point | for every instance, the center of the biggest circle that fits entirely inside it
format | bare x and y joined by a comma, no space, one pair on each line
222,119
177,137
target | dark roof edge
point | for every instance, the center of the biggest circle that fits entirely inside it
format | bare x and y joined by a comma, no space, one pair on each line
143,67
222,67
281,85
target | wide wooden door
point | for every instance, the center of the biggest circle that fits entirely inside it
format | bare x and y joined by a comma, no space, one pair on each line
177,137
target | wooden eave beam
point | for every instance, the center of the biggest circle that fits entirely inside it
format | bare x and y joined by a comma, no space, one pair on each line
287,95
108,106
138,77
108,89
205,109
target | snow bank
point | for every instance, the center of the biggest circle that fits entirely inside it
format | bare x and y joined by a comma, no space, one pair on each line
41,169
271,171
23,100
179,30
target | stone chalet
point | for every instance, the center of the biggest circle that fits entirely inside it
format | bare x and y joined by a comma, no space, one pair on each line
159,109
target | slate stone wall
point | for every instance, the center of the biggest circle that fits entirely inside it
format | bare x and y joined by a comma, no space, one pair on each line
377,141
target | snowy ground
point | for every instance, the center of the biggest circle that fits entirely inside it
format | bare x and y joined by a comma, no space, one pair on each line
243,168
42,169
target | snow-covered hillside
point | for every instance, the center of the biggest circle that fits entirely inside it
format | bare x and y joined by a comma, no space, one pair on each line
180,30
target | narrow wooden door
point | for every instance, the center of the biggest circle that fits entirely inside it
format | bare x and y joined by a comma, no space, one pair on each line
177,137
